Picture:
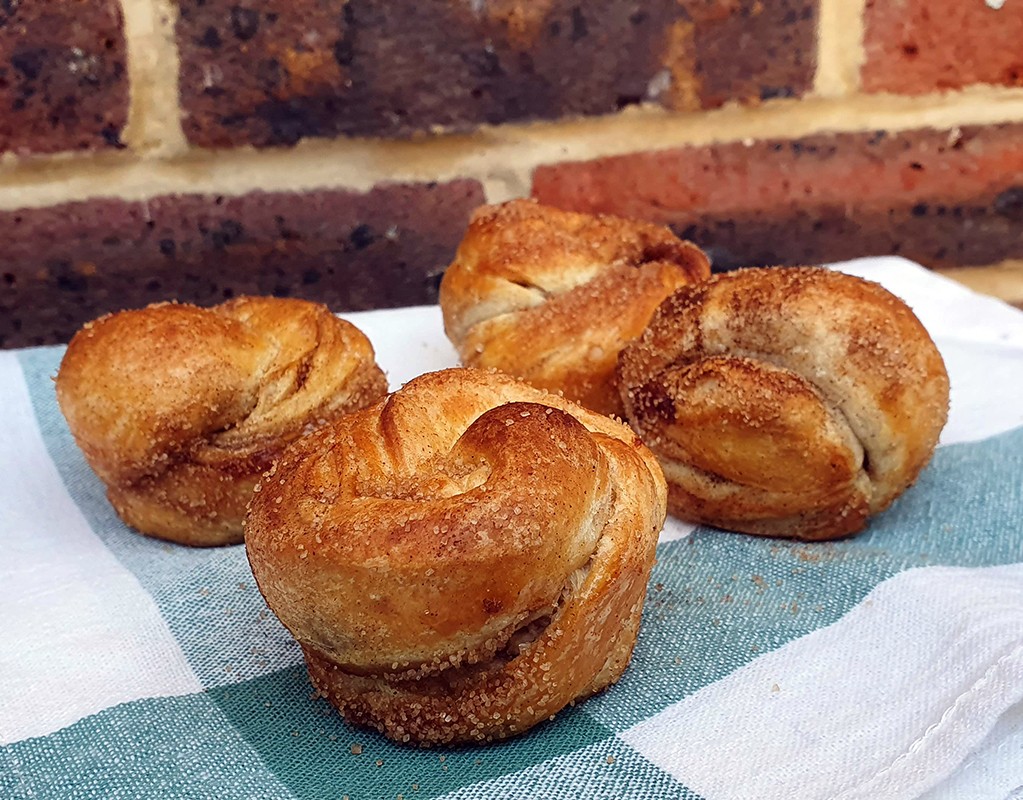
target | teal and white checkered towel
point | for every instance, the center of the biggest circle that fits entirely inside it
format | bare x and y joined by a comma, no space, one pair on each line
889,665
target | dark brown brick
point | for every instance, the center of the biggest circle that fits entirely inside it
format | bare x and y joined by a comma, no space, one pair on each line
63,83
274,72
745,50
940,235
68,264
943,198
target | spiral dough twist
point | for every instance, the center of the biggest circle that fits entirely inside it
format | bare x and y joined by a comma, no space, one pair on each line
551,296
785,402
463,560
180,409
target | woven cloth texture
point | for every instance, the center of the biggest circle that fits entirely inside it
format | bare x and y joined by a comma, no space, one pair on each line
888,665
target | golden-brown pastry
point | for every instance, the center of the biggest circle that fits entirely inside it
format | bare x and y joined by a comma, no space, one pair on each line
180,409
551,297
462,560
785,402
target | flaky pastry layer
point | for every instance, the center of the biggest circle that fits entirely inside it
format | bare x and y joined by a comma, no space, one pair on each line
463,559
552,296
180,409
789,402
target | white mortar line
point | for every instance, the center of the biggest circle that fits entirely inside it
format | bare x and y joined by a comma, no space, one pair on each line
502,157
840,55
154,121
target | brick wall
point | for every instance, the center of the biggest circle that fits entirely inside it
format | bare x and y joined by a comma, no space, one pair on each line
332,149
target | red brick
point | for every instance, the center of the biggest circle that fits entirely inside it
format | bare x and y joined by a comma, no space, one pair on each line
275,72
920,46
68,264
63,82
944,198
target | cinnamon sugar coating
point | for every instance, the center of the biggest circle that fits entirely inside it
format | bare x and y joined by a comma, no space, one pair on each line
786,402
180,409
552,296
462,560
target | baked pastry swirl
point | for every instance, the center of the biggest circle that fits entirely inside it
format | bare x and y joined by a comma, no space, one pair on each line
551,296
462,560
785,402
180,409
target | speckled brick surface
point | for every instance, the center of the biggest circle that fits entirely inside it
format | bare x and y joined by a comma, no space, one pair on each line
919,46
68,264
63,82
944,198
743,50
274,72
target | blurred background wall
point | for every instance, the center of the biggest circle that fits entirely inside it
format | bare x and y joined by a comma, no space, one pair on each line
200,149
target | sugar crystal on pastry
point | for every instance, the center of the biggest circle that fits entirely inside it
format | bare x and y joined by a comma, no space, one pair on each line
788,402
480,561
180,409
552,296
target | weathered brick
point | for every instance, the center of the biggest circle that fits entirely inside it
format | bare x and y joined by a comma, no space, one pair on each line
68,264
63,82
944,198
275,72
919,46
745,50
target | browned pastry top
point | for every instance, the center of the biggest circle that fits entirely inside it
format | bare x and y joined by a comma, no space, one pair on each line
417,548
792,402
175,407
551,296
